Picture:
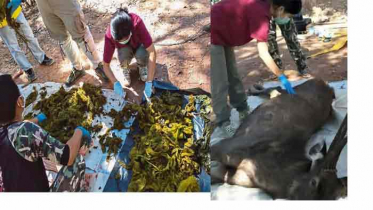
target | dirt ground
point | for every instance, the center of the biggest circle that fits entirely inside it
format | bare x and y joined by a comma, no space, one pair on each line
187,65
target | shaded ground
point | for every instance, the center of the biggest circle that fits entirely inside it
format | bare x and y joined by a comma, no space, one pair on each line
184,65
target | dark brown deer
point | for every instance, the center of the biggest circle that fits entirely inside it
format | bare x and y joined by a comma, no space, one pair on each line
268,150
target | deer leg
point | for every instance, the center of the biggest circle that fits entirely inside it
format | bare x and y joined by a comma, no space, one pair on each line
238,177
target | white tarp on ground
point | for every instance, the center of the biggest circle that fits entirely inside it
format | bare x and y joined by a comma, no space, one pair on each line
327,133
96,163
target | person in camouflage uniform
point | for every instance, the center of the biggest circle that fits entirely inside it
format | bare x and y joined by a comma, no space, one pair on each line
23,144
289,32
71,178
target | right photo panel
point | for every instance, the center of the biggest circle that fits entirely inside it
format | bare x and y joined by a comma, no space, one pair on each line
278,82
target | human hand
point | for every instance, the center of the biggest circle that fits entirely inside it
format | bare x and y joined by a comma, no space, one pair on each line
118,89
148,90
41,117
86,136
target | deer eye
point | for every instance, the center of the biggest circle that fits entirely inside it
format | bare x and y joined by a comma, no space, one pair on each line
314,182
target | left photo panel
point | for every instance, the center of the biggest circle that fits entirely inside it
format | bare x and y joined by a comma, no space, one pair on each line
105,96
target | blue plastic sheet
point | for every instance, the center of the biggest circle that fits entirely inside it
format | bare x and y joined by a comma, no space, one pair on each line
121,185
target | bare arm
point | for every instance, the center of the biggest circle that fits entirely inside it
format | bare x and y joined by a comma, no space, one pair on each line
109,73
152,62
74,145
267,58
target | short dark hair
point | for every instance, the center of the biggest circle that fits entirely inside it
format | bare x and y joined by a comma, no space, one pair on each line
121,24
9,94
291,6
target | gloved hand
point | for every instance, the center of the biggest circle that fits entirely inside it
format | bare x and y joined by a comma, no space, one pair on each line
148,91
118,89
14,4
285,82
86,136
41,117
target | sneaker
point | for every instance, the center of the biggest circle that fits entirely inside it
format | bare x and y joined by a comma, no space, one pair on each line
227,129
143,73
100,71
47,61
127,77
305,73
74,75
31,76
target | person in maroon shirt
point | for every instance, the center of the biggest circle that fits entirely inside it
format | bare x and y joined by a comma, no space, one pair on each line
128,34
235,23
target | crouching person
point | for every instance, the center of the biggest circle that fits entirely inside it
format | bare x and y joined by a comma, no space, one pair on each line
127,33
23,144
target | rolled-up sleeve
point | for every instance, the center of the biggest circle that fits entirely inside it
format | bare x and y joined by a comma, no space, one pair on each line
33,142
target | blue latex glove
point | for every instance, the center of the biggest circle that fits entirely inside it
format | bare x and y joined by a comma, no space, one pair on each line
14,4
118,89
86,135
285,82
148,91
41,117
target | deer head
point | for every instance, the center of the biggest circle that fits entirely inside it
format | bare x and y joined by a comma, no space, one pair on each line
322,183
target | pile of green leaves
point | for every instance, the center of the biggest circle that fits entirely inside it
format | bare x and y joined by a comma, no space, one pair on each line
32,97
111,145
65,110
164,157
43,92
